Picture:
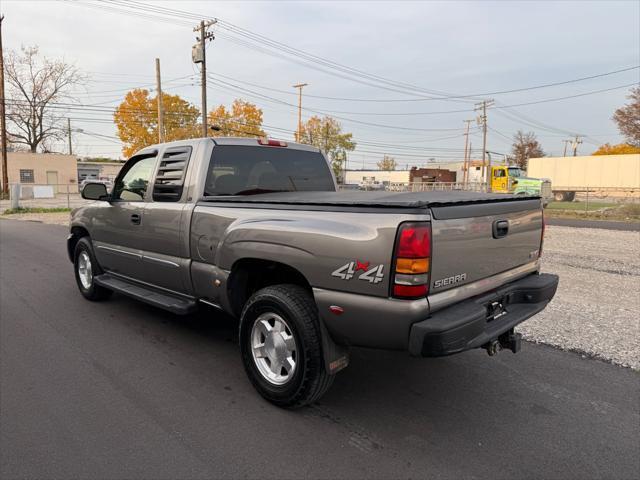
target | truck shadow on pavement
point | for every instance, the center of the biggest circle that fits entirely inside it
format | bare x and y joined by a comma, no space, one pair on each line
460,386
400,413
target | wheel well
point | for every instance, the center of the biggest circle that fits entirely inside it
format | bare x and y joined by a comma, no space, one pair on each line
76,234
251,274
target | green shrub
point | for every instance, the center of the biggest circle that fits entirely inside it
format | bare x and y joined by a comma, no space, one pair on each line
12,211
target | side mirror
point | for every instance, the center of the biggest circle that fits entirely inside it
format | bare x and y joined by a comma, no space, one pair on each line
95,191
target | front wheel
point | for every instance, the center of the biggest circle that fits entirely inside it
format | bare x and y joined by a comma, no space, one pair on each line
86,267
280,342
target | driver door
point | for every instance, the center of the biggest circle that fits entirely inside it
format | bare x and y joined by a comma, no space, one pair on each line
117,228
499,180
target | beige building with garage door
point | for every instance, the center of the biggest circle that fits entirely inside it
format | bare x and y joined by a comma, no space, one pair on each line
88,170
56,172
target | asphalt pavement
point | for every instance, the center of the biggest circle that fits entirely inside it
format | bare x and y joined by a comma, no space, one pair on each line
119,389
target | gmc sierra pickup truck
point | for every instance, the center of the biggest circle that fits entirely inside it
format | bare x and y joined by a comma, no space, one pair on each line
257,228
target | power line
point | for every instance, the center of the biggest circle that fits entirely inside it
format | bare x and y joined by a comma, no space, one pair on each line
322,112
154,11
555,99
420,99
261,39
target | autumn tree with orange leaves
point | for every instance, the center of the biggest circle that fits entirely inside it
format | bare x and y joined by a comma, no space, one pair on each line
137,120
619,149
243,119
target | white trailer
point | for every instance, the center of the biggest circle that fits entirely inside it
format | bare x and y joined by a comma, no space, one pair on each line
613,174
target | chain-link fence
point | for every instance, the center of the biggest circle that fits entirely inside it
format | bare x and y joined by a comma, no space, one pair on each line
574,199
38,195
605,203
418,186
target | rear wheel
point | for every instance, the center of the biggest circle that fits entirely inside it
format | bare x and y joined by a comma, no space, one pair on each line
86,268
280,342
564,196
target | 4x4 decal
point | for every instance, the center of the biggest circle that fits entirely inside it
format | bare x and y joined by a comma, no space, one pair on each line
349,270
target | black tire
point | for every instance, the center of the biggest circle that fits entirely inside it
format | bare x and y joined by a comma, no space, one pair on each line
297,308
91,292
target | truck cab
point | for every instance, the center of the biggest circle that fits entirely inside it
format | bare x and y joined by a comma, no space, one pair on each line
512,179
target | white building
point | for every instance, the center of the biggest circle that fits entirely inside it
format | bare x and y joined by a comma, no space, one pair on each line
376,176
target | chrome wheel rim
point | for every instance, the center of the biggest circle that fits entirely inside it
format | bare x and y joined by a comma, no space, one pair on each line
85,272
274,348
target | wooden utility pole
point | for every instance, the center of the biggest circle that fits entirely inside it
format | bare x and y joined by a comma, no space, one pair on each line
69,135
566,142
326,137
575,144
482,120
299,86
202,58
3,117
465,167
160,104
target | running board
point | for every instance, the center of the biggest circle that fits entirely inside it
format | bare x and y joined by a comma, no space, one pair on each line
157,298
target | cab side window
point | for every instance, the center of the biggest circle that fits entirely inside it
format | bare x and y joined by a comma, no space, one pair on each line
132,185
499,173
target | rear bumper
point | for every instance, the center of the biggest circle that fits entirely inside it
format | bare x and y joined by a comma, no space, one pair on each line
467,325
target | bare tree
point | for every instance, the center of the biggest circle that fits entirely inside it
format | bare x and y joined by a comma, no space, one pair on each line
628,118
525,146
34,84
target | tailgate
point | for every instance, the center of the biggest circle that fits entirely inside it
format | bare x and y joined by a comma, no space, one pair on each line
472,242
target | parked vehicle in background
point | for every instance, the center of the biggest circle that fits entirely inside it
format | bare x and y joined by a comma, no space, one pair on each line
372,186
257,229
615,175
512,179
107,183
349,186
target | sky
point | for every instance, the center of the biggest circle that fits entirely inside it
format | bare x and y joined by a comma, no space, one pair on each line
421,53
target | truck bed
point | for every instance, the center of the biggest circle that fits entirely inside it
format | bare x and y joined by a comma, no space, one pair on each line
375,199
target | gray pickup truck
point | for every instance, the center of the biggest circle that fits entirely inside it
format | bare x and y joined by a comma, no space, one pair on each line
257,228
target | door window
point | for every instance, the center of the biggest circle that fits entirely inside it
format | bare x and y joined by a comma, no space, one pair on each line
132,184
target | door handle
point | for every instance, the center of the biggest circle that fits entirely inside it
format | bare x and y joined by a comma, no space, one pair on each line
135,219
500,228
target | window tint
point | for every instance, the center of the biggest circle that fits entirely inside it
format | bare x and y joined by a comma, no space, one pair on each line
132,186
247,170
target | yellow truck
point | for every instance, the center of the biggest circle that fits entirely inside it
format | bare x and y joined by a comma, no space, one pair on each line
512,179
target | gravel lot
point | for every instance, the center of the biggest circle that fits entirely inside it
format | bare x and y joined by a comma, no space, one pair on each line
597,308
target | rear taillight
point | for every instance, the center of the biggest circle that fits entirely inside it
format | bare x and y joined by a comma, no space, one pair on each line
412,260
544,226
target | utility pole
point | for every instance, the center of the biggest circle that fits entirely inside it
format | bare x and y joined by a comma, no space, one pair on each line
482,120
566,142
465,168
160,104
3,117
199,55
299,86
69,135
326,138
575,144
